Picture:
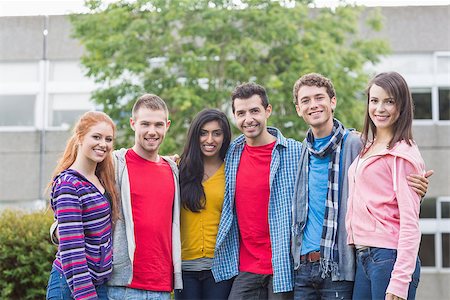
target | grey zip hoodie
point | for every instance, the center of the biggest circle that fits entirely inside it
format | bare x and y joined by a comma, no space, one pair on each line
124,243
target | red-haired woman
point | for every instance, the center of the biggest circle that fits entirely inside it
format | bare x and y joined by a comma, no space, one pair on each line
83,198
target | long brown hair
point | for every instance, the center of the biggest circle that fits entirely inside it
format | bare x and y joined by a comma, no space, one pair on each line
105,169
396,87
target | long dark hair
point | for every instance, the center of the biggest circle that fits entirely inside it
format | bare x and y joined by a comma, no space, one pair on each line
191,161
396,87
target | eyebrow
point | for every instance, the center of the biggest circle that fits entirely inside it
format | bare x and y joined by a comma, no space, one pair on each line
316,95
388,98
98,133
214,130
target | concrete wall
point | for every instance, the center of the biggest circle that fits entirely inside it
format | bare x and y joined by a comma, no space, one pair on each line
21,166
22,38
434,145
413,28
433,286
61,45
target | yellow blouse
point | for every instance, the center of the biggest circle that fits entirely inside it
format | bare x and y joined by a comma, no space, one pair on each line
199,229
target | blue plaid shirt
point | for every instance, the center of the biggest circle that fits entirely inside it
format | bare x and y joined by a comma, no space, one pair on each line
283,169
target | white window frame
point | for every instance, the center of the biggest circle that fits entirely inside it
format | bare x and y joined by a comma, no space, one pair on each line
436,227
424,121
436,84
41,89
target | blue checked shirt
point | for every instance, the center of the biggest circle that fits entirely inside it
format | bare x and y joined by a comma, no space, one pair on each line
283,170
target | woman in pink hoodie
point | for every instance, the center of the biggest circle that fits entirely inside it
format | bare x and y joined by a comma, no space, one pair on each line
382,220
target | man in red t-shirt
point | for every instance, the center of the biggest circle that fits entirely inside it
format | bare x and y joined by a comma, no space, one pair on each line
146,242
252,196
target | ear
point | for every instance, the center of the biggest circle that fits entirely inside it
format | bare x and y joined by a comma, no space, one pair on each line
132,124
333,103
268,111
299,112
168,124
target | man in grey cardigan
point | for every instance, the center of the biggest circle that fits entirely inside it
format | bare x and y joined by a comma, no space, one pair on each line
323,262
146,237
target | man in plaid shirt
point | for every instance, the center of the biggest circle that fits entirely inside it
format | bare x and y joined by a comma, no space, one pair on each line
253,241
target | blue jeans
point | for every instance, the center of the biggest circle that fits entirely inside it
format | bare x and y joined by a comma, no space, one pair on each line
201,285
124,293
309,284
251,286
373,272
58,289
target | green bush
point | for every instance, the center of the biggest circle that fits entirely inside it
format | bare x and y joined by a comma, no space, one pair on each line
26,254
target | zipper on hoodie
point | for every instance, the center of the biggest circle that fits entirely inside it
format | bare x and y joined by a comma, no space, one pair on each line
358,169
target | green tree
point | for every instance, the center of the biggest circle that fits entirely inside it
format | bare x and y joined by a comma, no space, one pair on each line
193,53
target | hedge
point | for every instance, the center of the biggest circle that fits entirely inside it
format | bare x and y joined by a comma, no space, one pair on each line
26,254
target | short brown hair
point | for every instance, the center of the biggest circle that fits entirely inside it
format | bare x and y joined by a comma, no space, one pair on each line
247,90
150,101
313,79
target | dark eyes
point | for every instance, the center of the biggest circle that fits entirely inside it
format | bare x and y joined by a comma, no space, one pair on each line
215,133
304,101
390,101
107,139
307,100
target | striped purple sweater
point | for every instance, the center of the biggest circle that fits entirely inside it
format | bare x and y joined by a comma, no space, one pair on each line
84,225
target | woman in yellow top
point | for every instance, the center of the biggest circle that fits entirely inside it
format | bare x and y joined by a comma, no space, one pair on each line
202,186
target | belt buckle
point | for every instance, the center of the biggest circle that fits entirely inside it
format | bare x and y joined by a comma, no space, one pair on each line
310,257
313,256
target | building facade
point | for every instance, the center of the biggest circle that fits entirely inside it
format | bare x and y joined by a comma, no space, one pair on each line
43,90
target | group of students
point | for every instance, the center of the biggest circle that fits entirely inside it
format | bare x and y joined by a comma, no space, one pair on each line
263,217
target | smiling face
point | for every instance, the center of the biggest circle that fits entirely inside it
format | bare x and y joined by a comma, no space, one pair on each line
251,116
382,109
150,127
211,139
97,143
316,107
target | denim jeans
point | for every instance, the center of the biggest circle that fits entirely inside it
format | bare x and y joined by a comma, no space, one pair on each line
124,293
201,285
373,272
58,289
309,284
250,286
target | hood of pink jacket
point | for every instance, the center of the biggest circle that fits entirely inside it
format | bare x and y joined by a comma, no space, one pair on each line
409,153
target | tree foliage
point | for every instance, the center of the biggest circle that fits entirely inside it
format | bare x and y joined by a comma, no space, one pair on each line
193,53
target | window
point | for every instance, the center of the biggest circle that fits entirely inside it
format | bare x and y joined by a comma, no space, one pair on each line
434,251
445,250
426,250
428,208
445,210
65,117
422,103
423,99
17,110
65,109
444,103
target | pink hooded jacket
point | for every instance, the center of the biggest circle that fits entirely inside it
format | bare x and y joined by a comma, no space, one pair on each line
383,211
